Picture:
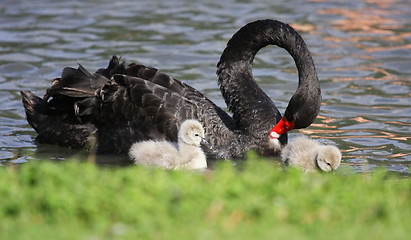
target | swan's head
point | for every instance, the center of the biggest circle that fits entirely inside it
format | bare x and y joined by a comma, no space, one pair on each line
302,109
328,158
191,132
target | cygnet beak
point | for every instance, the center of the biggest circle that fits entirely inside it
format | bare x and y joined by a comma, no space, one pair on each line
205,143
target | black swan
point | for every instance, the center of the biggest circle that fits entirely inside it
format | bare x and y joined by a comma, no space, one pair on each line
310,155
121,105
187,154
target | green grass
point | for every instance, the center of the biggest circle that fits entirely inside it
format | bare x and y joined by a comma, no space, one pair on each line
75,200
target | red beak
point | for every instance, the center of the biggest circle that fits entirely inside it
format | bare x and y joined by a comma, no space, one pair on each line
281,127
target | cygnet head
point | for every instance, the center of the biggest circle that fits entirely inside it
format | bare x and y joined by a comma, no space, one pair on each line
328,158
191,132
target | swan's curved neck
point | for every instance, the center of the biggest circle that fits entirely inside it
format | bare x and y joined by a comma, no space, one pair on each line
243,96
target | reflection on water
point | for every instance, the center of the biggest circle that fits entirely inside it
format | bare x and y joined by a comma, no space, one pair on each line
362,50
376,98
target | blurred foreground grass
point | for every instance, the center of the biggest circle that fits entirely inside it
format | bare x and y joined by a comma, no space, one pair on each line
74,200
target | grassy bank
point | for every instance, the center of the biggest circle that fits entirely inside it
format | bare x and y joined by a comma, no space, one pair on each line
72,200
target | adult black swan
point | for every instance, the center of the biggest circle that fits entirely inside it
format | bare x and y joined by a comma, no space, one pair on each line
121,105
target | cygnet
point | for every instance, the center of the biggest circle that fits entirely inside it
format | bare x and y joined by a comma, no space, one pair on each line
185,154
310,155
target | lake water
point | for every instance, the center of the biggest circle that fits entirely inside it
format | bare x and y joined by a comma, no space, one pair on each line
362,50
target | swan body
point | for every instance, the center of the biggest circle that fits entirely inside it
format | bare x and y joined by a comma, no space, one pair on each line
310,155
187,155
122,105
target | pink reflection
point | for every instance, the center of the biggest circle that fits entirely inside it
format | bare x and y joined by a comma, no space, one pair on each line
325,128
376,21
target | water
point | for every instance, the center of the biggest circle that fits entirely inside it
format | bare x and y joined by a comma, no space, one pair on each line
362,50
